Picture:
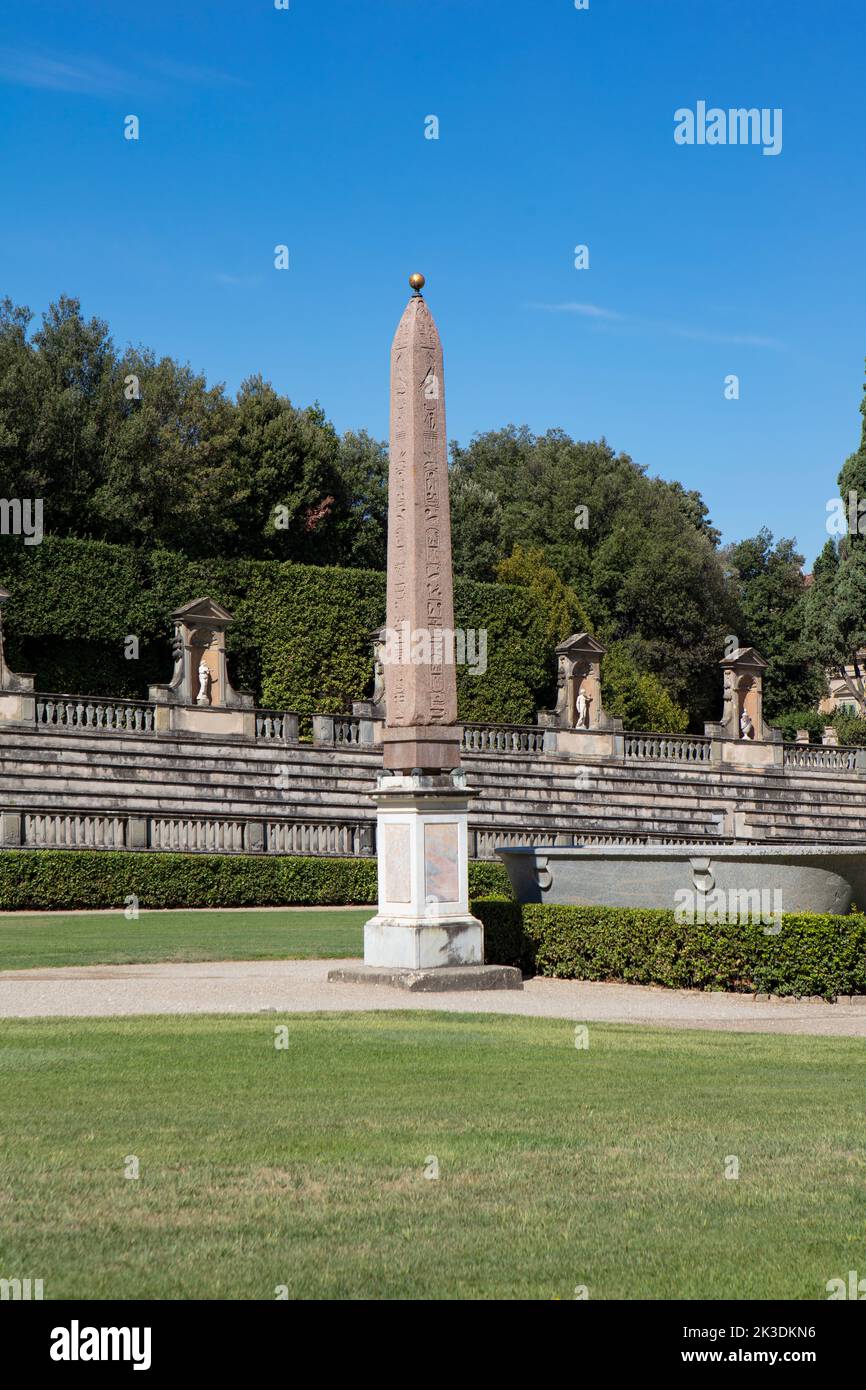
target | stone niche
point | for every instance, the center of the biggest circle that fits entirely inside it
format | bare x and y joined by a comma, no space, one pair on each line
16,691
199,698
742,719
579,715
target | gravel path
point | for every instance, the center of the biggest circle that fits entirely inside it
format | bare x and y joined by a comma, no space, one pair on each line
302,987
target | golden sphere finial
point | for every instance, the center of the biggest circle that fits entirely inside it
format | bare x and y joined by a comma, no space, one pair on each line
417,282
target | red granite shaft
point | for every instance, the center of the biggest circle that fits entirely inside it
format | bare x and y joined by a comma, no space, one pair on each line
420,679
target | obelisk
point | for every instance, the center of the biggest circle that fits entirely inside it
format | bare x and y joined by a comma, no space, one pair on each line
421,729
423,935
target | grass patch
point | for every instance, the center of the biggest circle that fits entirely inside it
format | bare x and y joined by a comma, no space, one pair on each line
305,1167
109,939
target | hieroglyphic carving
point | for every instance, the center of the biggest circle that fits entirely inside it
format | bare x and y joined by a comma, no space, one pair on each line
420,589
398,580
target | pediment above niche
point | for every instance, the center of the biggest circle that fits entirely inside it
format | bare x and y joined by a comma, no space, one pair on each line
580,643
745,656
202,610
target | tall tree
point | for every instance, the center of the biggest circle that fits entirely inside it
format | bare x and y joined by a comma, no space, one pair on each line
362,465
166,471
476,524
639,698
836,607
56,399
17,401
771,590
641,552
285,481
563,611
140,450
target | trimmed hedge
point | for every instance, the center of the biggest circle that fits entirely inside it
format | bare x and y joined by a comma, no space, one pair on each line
488,879
48,880
813,954
301,639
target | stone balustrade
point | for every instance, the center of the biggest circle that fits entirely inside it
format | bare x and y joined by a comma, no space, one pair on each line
78,790
825,757
676,748
186,834
346,838
59,831
503,738
195,835
352,839
95,715
344,730
347,730
276,726
340,838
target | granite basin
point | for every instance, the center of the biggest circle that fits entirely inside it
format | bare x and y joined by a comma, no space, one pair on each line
792,878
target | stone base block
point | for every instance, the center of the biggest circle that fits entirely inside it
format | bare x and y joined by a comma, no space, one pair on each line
455,941
217,722
439,980
10,828
17,707
425,746
589,743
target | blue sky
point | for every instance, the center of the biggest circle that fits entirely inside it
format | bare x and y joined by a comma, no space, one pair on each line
306,126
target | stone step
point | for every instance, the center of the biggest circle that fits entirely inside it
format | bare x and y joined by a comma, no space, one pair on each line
489,770
174,778
149,782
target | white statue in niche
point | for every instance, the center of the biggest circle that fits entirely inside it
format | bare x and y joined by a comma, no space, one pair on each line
582,709
747,728
203,697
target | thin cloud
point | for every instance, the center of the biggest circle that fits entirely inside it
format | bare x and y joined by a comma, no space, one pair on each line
198,76
590,311
64,72
59,73
701,335
738,339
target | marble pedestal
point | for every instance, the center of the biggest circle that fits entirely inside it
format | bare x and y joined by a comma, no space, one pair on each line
423,919
423,936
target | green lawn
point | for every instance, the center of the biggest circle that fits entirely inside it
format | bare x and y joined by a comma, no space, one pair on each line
44,939
304,1167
